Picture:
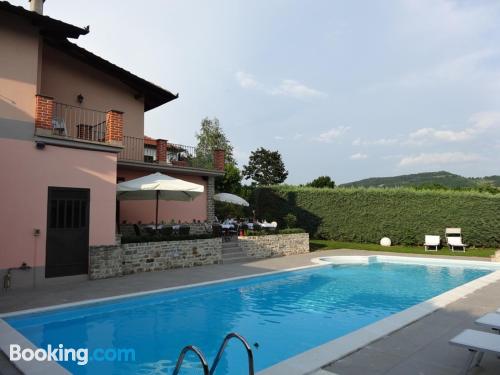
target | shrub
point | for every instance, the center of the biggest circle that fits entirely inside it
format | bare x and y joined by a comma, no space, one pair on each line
184,230
257,233
291,231
159,238
366,215
166,231
290,220
271,232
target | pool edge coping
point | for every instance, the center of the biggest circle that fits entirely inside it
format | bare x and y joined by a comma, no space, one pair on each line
307,362
10,336
313,360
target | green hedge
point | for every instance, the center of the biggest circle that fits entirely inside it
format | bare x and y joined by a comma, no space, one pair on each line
366,215
160,237
265,232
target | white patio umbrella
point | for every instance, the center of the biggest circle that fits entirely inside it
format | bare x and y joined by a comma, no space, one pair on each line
231,198
158,186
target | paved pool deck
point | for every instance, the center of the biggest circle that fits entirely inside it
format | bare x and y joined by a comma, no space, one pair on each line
421,348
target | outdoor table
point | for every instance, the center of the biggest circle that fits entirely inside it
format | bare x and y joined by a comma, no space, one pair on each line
152,226
266,225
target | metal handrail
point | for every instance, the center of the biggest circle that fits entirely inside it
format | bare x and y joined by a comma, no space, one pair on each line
195,350
223,347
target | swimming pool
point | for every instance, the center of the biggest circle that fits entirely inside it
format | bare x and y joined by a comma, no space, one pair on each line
283,314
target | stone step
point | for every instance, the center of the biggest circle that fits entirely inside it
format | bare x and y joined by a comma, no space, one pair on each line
231,248
230,244
235,254
232,252
243,259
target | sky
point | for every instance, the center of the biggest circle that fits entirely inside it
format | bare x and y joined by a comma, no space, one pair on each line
350,89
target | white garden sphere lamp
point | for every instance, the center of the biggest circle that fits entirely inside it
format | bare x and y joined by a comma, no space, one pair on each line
386,241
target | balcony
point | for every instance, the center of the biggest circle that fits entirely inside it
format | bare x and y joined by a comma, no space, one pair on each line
159,151
77,123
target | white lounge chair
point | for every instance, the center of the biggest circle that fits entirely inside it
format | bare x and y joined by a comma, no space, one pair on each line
491,321
432,241
477,343
454,239
456,242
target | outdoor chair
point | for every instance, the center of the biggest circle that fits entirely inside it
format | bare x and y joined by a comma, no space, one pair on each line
477,343
184,230
59,127
234,230
150,231
432,242
217,230
454,239
167,231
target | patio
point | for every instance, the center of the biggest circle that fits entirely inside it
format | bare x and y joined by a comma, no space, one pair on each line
420,348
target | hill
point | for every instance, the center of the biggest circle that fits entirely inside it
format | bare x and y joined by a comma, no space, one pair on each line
443,178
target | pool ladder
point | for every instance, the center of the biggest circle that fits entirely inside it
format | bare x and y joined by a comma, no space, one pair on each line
204,363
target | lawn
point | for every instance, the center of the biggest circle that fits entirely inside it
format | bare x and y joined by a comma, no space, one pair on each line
327,245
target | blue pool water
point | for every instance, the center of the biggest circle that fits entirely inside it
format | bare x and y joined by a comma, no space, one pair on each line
286,314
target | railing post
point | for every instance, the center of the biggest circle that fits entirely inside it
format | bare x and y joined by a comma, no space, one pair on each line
219,156
161,151
114,127
44,111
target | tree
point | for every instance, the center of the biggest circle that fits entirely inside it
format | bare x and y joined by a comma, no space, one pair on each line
265,167
212,137
230,182
322,182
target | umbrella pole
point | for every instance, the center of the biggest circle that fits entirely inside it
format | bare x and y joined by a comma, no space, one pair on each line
157,198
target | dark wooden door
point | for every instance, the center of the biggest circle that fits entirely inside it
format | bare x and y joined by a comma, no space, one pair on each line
67,250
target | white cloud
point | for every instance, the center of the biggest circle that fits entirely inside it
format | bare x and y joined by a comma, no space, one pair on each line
295,89
447,19
423,134
485,120
439,159
471,68
376,142
246,80
287,87
279,137
358,156
297,136
332,134
463,68
479,123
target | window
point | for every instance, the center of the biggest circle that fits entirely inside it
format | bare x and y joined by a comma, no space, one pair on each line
67,213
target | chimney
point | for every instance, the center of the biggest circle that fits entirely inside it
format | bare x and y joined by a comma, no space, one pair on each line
218,157
36,6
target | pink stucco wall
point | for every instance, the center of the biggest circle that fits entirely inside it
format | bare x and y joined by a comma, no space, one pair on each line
64,78
19,49
144,211
27,173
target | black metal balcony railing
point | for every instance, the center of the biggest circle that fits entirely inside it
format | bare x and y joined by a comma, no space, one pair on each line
80,123
145,150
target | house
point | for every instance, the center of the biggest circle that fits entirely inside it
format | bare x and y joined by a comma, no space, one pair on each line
71,127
